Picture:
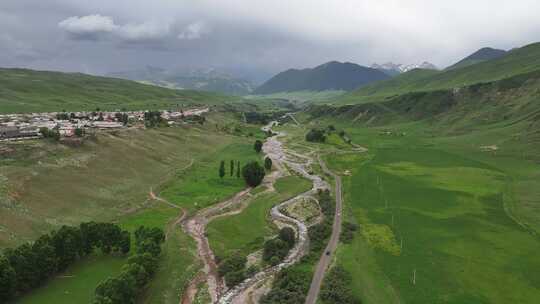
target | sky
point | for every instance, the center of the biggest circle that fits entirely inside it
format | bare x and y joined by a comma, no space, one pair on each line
255,37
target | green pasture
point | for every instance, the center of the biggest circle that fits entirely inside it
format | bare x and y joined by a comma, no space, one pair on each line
77,284
246,232
433,225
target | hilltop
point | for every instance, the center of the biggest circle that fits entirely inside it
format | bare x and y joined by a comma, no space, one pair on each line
515,62
23,90
483,54
329,76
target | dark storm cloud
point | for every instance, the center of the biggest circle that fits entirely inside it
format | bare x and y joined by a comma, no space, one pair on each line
101,35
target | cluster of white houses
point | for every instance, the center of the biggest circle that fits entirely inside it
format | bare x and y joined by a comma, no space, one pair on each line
28,126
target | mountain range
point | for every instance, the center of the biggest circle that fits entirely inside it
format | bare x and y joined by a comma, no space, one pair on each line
210,79
329,76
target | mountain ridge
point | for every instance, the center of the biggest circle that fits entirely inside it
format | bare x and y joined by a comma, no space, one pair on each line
332,75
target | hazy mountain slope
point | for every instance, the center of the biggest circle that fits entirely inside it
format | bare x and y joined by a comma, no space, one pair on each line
481,55
24,90
193,79
329,76
517,61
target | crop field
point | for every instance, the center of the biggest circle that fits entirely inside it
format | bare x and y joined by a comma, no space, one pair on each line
246,232
73,285
440,221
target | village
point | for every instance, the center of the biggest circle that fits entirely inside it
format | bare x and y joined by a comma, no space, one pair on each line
15,127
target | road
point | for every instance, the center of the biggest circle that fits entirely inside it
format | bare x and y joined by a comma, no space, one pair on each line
325,259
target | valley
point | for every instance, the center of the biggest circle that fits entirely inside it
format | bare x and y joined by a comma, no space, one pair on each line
339,183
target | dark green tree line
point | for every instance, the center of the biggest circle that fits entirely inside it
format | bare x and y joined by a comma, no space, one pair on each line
30,265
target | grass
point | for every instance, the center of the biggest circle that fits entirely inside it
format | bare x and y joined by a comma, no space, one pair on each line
437,207
48,185
23,91
73,285
202,186
45,185
516,62
245,232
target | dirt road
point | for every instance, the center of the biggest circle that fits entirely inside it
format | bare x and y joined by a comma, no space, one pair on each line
327,255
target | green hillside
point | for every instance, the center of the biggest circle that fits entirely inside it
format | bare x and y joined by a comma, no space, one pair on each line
447,194
518,61
24,90
483,54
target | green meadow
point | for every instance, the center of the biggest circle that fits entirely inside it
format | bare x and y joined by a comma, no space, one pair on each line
440,220
245,232
73,285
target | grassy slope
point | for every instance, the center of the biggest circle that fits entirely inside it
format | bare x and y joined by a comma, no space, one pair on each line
40,91
448,200
110,180
245,232
518,61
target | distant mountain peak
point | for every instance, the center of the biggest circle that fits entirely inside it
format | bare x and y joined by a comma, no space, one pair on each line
392,69
332,75
483,54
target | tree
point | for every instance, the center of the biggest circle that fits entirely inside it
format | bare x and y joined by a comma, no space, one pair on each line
238,169
234,278
232,168
8,279
222,169
316,135
268,163
258,146
253,174
79,132
287,235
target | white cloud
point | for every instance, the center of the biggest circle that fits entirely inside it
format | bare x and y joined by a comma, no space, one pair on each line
88,25
143,31
95,26
194,31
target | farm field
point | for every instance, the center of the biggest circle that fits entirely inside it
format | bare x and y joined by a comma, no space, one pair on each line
441,221
245,233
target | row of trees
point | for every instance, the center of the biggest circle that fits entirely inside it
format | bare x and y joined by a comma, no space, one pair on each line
31,264
276,249
252,172
222,171
137,272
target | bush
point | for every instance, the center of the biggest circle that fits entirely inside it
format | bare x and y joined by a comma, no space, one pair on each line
234,278
316,135
337,287
347,234
253,174
290,287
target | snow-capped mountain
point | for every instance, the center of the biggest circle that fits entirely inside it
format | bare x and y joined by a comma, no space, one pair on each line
398,68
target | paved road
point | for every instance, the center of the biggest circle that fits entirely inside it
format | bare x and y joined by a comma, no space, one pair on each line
325,259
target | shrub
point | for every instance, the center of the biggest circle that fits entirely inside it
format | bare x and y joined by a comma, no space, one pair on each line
268,163
316,135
